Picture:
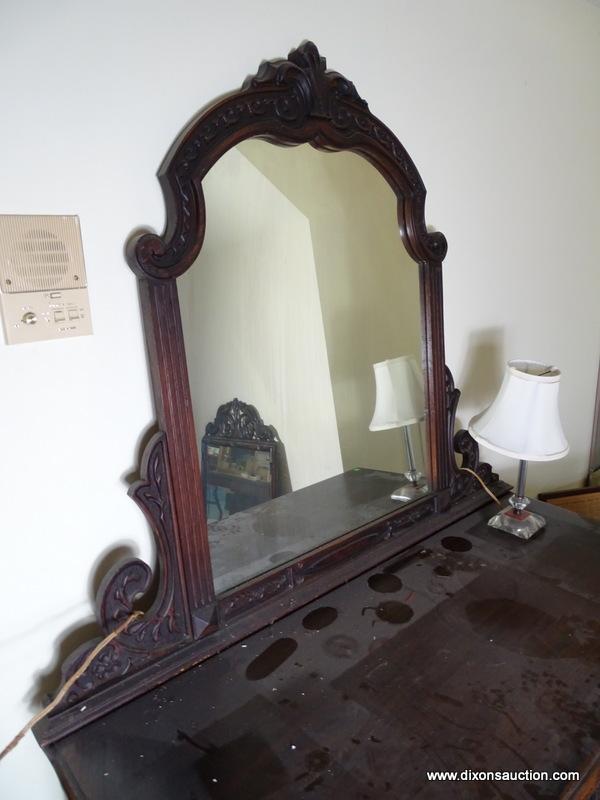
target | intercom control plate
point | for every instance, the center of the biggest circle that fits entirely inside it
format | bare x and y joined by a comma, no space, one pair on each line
43,283
31,316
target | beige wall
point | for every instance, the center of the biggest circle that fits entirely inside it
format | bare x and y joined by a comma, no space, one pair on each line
497,102
252,321
368,285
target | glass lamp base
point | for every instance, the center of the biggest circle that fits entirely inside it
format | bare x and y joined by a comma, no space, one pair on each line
521,523
411,490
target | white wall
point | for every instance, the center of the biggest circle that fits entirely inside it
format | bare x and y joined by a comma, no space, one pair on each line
497,102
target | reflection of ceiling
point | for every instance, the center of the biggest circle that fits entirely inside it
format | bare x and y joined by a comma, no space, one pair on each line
316,181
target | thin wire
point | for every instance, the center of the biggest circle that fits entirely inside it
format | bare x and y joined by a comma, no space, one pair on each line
65,688
475,475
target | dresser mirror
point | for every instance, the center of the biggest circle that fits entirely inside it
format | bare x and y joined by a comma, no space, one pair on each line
293,318
302,285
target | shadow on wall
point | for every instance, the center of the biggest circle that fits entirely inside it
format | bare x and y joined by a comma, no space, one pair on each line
47,681
483,372
284,482
133,475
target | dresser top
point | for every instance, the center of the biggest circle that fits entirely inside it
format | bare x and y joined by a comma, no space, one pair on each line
471,651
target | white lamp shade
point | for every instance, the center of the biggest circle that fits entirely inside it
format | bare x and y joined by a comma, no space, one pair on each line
523,421
398,393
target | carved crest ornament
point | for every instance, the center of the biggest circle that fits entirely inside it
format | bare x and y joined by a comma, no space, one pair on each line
238,420
289,101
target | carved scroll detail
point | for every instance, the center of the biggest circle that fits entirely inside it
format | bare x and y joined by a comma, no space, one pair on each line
165,624
291,100
238,420
118,591
463,443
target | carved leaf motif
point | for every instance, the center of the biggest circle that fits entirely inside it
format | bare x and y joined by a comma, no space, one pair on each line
281,100
119,589
463,443
238,420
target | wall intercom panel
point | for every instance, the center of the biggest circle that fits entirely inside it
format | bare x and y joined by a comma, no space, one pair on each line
43,283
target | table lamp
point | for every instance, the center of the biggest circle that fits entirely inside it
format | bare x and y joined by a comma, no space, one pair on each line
399,404
523,422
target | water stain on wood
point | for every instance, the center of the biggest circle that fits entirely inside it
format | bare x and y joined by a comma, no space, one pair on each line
219,770
320,618
341,646
271,658
317,760
457,544
394,612
523,628
449,700
385,582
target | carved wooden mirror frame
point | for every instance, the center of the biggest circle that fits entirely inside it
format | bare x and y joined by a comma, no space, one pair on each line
291,101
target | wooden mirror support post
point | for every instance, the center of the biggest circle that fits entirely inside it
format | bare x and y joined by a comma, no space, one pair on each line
288,102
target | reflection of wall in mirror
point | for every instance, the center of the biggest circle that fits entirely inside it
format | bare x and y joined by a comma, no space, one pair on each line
252,320
368,285
302,284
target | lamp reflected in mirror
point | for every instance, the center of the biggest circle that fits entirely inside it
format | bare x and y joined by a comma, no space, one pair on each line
399,403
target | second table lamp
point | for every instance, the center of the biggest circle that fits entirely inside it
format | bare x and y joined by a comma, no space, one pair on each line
523,422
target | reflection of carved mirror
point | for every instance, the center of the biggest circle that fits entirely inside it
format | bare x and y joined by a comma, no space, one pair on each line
283,275
239,463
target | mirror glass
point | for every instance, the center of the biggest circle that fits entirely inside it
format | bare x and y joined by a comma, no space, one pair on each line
302,308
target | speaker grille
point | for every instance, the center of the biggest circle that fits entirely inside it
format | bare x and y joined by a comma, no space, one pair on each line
40,252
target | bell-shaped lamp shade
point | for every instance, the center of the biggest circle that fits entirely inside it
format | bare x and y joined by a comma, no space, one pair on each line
523,421
399,393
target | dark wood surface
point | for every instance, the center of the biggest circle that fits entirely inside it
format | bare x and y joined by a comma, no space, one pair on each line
473,650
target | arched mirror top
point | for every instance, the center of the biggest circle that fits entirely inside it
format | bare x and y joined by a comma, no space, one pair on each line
288,102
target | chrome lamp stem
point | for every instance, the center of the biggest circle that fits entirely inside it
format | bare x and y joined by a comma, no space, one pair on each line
416,484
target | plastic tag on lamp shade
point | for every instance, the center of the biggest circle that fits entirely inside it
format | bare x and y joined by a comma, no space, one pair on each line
398,393
523,421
